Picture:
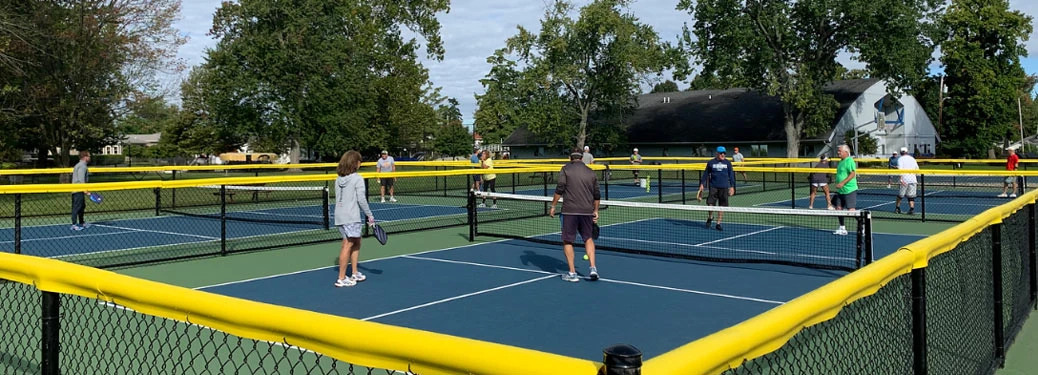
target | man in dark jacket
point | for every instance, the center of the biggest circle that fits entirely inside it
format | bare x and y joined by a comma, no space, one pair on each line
578,185
720,177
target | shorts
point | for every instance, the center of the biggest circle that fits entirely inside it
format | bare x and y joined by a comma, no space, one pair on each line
388,182
490,185
718,196
819,184
907,190
351,230
572,224
845,201
1010,180
476,177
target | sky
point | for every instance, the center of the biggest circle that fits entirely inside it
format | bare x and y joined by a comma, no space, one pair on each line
473,29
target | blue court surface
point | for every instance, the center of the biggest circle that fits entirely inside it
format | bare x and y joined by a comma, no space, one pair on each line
510,292
170,230
937,202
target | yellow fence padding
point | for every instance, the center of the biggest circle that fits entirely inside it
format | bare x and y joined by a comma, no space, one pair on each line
771,330
383,346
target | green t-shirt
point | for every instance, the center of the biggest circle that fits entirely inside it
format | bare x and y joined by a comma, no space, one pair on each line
843,170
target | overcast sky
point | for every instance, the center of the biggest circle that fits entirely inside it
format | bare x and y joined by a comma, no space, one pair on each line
475,28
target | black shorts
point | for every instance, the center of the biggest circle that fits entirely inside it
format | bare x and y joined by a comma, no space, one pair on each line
490,185
717,196
845,201
388,182
571,224
476,177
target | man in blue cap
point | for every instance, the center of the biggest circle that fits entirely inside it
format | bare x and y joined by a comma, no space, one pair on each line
720,177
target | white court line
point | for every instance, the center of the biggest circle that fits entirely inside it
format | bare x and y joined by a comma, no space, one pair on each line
690,291
437,302
156,231
66,237
739,236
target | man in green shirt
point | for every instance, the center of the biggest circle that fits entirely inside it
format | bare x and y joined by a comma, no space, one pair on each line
846,185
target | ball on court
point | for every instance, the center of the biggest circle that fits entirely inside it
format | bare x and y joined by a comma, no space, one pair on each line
585,256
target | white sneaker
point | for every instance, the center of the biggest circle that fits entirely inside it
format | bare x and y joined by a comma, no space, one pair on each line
494,206
1012,195
391,199
481,205
1003,195
358,277
383,200
831,208
344,282
841,232
571,277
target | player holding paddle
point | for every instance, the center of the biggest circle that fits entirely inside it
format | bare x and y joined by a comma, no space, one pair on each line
578,186
350,200
80,176
720,176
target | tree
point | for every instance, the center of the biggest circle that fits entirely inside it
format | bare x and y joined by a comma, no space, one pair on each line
80,62
454,140
867,145
147,114
788,49
573,68
981,56
498,108
668,86
326,76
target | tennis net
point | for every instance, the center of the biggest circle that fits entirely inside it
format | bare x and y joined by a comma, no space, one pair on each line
290,205
747,235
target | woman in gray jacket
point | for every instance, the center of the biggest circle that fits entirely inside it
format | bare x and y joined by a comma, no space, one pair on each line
350,200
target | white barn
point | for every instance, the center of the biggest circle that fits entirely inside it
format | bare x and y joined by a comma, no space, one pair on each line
895,122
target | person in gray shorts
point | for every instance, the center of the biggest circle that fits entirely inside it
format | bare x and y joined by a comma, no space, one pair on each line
578,185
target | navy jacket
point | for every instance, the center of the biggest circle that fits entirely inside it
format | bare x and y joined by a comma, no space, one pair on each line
718,174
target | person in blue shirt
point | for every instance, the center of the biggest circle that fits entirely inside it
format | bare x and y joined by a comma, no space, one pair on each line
476,163
892,164
720,177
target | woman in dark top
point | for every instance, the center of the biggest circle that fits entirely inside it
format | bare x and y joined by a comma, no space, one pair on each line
820,180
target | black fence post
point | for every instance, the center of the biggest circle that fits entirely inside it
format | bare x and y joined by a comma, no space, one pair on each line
659,186
792,192
622,359
471,205
1032,243
922,197
683,186
326,207
223,219
996,280
544,177
608,174
173,199
17,223
51,345
158,201
919,352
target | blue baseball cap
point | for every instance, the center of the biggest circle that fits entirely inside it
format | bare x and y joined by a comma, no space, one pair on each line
720,149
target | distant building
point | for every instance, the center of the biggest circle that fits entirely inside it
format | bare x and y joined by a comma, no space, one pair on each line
693,123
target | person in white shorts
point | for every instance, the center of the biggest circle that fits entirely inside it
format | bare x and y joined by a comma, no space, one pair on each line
908,181
820,180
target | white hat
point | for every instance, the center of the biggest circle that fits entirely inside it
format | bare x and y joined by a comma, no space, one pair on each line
904,150
586,148
384,152
635,149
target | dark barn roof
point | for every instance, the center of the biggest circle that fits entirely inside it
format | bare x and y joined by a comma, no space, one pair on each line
733,115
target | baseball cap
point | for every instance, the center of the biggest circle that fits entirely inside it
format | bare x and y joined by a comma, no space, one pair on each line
720,149
825,157
636,150
904,150
384,152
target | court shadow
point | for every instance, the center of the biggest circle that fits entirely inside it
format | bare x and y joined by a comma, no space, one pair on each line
543,262
18,363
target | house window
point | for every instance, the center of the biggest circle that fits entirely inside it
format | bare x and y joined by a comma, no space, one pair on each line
759,150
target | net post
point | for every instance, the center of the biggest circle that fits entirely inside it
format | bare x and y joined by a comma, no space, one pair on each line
622,359
18,223
51,327
158,201
682,187
607,173
919,351
1031,244
471,206
173,203
544,178
659,186
922,197
792,192
996,279
223,220
514,177
325,208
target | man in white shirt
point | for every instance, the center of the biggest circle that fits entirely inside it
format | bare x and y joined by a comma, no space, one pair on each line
587,158
386,163
908,181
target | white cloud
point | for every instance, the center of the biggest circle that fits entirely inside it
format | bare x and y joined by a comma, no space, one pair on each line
475,28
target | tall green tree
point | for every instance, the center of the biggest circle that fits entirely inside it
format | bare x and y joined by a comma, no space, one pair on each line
454,140
498,108
80,62
329,76
981,57
667,86
573,68
788,49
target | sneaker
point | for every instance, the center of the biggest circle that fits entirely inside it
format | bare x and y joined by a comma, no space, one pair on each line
708,220
344,282
911,211
383,200
391,199
1012,195
594,274
1003,195
482,205
897,210
571,277
810,207
76,228
358,277
494,206
831,208
841,232
718,226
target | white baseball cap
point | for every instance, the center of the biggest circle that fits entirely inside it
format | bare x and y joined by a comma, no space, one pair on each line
384,152
904,150
635,150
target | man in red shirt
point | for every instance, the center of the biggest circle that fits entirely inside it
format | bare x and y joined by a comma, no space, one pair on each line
1011,163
